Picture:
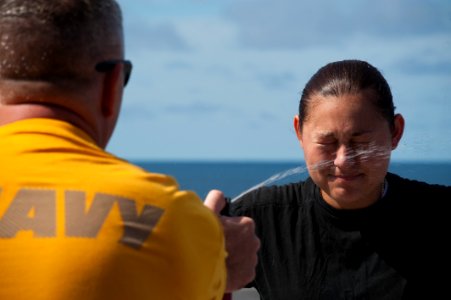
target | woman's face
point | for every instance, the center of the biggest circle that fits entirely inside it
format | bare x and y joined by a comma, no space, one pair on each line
347,146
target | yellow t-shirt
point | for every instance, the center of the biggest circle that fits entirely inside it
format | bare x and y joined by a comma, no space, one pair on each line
78,223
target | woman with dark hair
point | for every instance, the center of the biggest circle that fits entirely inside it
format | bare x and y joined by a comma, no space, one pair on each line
352,230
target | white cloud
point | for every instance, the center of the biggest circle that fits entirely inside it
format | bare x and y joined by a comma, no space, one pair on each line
300,24
154,37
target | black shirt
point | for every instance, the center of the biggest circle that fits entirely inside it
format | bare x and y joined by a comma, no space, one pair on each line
393,249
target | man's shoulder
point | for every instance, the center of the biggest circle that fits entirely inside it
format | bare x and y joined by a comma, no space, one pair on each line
148,186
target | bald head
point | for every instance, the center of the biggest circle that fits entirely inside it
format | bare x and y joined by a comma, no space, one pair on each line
57,40
49,50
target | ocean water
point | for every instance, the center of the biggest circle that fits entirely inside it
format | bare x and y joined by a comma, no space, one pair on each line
233,178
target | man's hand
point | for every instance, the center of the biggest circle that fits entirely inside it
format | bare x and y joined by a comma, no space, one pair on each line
242,243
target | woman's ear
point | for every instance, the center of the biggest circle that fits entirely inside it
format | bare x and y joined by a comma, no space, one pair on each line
398,130
297,128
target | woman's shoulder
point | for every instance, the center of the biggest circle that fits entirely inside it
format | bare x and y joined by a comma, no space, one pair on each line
417,196
406,185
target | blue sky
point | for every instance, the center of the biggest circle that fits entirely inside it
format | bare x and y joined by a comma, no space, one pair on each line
221,80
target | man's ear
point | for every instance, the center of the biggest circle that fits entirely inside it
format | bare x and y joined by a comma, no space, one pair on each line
112,92
297,128
398,130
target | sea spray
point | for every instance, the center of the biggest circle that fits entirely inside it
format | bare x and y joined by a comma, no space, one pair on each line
274,178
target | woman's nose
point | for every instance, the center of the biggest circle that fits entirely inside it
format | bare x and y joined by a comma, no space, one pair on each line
344,156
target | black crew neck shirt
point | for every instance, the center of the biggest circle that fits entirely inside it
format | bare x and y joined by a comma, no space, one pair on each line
310,250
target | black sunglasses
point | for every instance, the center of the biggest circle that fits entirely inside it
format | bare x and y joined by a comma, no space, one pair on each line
108,65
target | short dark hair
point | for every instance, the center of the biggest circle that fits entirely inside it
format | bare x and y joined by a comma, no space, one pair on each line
57,40
348,77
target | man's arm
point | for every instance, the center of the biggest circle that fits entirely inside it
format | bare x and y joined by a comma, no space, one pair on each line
242,243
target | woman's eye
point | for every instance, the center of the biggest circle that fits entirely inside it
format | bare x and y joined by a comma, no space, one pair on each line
327,143
361,144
